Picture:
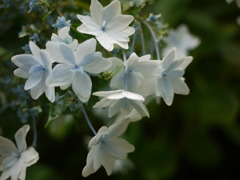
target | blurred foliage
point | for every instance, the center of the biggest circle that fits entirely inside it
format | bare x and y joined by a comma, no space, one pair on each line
198,137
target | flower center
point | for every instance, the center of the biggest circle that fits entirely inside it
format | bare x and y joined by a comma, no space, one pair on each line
77,68
36,69
11,160
103,28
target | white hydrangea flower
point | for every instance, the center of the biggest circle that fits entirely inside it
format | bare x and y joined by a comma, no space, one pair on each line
182,40
14,160
107,24
75,65
36,68
135,75
121,101
169,76
63,36
106,148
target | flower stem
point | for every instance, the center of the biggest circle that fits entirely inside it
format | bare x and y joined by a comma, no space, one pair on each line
126,73
34,126
142,38
134,39
87,119
154,38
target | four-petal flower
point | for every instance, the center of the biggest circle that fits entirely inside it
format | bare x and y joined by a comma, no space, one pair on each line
15,159
169,76
121,101
36,68
106,148
74,66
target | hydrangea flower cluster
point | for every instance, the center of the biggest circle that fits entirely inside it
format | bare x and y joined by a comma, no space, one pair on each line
135,80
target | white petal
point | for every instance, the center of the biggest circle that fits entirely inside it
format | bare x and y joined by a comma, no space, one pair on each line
115,107
89,169
94,63
174,74
29,157
118,80
25,61
179,86
106,93
96,31
111,10
119,148
139,107
61,52
82,86
105,41
85,48
102,103
88,26
133,96
117,129
118,36
50,93
45,59
166,91
107,161
168,59
33,80
5,174
38,90
21,73
96,10
120,22
35,50
60,76
20,138
6,147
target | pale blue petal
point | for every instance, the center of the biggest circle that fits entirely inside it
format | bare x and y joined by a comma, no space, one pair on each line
35,50
166,91
60,76
179,86
24,61
61,52
84,49
20,138
94,63
82,86
33,80
169,58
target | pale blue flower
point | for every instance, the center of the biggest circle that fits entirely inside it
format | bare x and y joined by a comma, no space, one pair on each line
121,101
106,148
64,37
14,160
107,24
61,23
36,68
169,76
74,66
182,40
136,75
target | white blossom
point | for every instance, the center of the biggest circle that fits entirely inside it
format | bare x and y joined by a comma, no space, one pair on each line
106,148
63,36
15,159
136,75
182,40
121,101
169,76
36,68
107,24
75,65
